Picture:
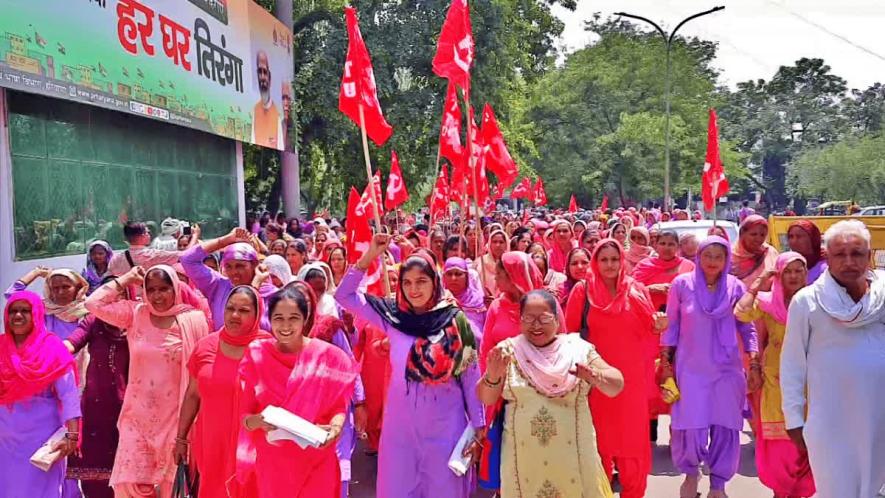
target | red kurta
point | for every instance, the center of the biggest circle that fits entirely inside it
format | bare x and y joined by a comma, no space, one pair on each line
372,350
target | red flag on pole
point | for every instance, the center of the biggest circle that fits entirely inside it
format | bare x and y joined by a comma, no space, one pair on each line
497,157
357,226
450,131
455,49
604,206
539,194
713,184
439,202
523,190
499,191
573,205
358,85
396,187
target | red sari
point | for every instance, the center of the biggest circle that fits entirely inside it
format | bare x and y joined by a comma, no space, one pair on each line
316,384
619,326
372,350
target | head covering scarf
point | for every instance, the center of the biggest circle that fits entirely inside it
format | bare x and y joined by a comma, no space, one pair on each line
628,298
497,232
240,251
818,253
744,259
566,287
185,299
255,331
716,304
444,343
76,309
472,298
556,256
41,359
279,267
90,273
650,268
323,267
773,302
547,369
637,252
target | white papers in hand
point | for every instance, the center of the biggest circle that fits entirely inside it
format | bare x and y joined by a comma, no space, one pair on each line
291,427
45,456
458,463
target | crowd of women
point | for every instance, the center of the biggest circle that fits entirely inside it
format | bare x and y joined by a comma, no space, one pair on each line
543,348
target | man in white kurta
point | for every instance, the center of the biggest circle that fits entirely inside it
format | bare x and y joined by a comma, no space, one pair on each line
835,348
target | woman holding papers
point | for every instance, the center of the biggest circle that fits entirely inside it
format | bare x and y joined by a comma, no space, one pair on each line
300,375
430,400
38,396
549,443
213,391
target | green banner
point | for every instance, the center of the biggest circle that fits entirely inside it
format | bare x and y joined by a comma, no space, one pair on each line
221,66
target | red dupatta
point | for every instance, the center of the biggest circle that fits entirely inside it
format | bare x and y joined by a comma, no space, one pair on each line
628,297
41,360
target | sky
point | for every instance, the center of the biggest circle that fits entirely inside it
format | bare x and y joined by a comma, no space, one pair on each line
756,37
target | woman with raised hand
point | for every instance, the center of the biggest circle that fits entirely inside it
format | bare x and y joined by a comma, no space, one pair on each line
430,399
162,332
38,395
213,394
549,442
752,255
64,292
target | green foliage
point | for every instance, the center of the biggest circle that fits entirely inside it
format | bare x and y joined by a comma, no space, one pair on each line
851,169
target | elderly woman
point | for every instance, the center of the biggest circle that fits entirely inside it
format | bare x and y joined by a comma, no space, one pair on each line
278,247
463,282
430,399
162,333
545,377
688,245
98,256
64,291
213,392
782,467
615,313
752,255
701,343
38,394
833,368
804,237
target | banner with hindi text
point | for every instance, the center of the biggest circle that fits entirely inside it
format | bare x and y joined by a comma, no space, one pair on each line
220,66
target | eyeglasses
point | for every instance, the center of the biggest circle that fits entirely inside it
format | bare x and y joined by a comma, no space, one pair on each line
543,319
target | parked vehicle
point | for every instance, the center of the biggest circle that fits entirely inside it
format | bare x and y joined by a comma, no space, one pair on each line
699,228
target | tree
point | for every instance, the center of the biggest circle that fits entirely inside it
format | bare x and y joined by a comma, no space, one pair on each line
853,169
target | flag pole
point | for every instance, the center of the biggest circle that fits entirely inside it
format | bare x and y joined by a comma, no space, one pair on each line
472,167
374,201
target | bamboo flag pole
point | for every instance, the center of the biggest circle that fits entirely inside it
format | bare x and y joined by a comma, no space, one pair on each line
374,201
472,167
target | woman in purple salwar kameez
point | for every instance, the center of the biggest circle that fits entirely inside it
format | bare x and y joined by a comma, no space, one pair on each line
431,398
38,396
701,343
463,282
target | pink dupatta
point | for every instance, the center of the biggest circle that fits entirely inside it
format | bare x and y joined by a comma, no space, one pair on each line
773,302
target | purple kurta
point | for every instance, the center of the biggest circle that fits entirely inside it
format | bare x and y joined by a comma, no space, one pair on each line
712,392
24,427
423,421
477,321
347,442
212,284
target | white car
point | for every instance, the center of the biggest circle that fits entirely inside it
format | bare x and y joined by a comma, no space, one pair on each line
872,211
699,228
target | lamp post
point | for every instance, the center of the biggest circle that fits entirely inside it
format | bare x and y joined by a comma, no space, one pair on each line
669,41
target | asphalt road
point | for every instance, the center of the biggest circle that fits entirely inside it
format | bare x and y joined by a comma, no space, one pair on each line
663,482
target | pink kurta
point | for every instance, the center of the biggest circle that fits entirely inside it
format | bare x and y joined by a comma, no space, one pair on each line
148,421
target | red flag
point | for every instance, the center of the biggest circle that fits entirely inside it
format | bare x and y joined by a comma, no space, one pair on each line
396,187
604,206
359,235
523,190
573,205
455,49
713,184
439,203
539,194
358,85
497,157
450,131
499,191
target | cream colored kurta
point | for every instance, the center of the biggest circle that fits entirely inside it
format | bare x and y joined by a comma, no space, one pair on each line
549,444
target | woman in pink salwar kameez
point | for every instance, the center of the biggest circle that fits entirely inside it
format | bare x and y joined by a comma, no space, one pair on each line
308,377
162,332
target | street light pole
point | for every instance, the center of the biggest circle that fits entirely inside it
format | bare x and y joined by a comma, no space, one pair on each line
669,41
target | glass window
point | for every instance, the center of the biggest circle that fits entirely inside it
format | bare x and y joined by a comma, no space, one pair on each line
78,171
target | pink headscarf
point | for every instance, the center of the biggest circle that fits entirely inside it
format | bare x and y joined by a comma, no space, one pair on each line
557,258
636,252
773,302
41,360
